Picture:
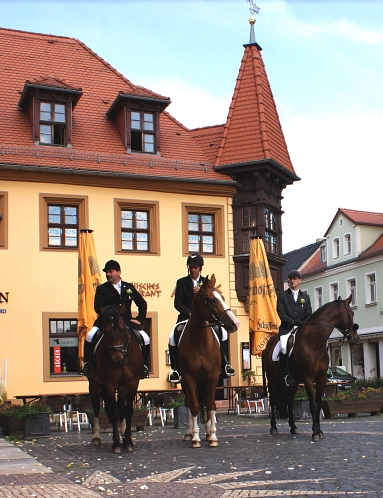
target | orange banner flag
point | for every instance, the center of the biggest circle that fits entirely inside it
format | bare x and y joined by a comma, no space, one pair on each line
89,278
263,317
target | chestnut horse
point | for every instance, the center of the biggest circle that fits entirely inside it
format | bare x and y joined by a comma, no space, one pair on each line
200,358
115,375
308,362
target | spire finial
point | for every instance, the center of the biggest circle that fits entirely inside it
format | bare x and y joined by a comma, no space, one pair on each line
253,9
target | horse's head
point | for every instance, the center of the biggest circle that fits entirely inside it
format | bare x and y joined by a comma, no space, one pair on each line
350,328
114,329
214,307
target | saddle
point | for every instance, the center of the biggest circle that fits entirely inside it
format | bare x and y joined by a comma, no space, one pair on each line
286,346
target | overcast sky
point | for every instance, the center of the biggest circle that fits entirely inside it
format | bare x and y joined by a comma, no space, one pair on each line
324,61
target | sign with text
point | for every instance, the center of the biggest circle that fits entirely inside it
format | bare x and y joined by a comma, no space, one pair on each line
57,359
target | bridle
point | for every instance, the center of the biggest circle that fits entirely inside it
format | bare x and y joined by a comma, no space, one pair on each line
217,319
122,348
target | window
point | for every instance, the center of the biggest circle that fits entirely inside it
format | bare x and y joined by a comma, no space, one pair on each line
335,248
347,244
137,226
351,289
3,220
142,132
61,355
323,253
203,229
248,226
336,356
61,218
270,231
318,297
371,289
52,124
334,291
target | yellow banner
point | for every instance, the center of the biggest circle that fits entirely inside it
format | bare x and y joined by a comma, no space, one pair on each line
263,318
89,278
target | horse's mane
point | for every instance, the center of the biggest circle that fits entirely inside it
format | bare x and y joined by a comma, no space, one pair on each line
322,309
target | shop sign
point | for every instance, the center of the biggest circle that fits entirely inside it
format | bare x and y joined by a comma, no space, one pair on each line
66,342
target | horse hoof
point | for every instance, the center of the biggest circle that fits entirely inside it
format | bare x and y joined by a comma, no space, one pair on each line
294,431
213,443
188,437
316,437
196,444
129,448
116,449
273,432
96,441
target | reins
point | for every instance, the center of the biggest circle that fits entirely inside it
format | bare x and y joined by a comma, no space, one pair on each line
217,319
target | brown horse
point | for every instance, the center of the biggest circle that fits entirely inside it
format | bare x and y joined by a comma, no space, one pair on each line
200,358
114,377
308,362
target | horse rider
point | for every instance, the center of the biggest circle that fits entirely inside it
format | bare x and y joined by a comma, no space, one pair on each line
293,308
116,292
186,287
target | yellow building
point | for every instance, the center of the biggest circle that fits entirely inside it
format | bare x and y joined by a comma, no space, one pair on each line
83,147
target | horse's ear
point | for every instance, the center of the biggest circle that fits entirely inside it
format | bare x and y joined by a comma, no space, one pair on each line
348,300
339,298
213,280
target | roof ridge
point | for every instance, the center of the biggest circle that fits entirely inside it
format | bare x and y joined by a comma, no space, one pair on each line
33,33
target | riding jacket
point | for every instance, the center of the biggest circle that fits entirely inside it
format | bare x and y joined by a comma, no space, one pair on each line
292,313
184,296
107,294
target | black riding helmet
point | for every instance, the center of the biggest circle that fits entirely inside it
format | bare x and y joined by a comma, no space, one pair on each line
194,260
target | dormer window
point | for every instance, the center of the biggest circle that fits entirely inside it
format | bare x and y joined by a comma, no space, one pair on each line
142,132
50,103
52,123
138,120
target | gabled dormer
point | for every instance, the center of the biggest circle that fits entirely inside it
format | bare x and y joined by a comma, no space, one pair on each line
138,121
50,103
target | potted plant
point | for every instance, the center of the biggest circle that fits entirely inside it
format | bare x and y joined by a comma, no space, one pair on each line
31,419
301,405
365,396
180,411
249,376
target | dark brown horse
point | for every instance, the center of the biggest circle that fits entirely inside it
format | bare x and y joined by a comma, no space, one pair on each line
308,362
115,376
200,358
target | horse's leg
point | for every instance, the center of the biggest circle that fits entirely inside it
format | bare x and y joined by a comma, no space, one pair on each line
211,430
112,411
191,402
317,431
290,403
94,391
273,405
128,442
212,438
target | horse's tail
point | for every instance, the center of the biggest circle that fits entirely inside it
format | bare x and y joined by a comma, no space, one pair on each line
201,389
264,380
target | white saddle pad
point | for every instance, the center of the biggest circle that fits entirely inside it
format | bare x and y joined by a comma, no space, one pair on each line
282,345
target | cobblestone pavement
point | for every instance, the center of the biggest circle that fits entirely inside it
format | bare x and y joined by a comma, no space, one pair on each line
248,463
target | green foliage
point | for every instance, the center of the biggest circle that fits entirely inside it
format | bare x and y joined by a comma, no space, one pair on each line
361,389
249,376
301,394
18,412
179,401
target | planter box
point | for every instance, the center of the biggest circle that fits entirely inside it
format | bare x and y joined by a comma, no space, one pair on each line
352,407
37,425
301,410
11,426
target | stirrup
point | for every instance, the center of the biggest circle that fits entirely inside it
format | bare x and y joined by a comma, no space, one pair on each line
229,370
86,369
289,381
175,377
144,372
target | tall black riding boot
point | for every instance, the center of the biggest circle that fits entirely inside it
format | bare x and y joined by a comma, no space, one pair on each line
145,356
88,356
283,361
174,376
226,369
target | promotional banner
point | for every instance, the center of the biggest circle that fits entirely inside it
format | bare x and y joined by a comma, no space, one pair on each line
263,318
89,278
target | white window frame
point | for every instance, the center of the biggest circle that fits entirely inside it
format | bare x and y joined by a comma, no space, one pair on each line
318,297
335,248
347,245
333,296
323,253
371,288
352,289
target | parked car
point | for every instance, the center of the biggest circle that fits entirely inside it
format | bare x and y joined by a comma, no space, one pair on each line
339,376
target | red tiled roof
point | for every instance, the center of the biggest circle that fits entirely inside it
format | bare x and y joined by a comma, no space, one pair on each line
253,131
97,145
209,139
52,82
314,265
358,218
375,248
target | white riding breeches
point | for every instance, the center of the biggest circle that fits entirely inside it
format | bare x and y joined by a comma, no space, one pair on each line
93,330
284,338
171,337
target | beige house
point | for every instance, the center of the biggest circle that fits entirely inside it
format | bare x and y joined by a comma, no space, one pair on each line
83,147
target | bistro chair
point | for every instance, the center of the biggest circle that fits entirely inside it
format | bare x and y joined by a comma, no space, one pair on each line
79,405
58,405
